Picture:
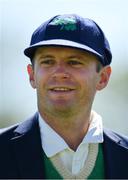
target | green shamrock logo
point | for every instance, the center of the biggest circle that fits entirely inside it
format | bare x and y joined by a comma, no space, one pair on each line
68,23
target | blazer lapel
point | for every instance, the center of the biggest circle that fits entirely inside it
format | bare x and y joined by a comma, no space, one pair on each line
27,150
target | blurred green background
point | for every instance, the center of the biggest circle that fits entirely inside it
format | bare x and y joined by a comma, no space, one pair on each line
19,18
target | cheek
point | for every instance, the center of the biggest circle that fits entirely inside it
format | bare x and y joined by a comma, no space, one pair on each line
83,78
41,79
88,82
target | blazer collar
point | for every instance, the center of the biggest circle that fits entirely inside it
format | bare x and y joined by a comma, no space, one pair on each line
111,136
27,126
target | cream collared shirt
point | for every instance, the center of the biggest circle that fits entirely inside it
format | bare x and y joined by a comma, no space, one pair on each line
53,143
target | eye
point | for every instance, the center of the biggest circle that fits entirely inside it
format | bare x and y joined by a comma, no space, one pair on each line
75,63
48,62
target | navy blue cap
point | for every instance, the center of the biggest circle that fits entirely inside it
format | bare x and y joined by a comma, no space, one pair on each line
71,30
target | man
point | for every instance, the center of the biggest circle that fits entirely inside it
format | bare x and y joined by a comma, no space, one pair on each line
70,61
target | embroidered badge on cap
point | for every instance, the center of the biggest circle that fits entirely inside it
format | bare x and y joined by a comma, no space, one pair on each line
68,23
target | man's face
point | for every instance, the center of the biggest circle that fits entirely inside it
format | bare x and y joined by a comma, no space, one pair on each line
65,78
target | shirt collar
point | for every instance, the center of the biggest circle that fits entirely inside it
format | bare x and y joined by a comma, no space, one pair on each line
95,131
53,143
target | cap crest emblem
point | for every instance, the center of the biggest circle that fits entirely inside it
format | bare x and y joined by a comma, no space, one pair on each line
68,23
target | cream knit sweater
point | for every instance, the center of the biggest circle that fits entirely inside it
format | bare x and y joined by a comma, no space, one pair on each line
85,171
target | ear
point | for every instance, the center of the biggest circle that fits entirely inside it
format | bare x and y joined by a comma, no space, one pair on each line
31,75
104,76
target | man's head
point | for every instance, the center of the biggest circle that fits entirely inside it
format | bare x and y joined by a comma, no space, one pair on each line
71,58
71,31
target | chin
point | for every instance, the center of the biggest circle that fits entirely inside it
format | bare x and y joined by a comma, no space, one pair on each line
61,105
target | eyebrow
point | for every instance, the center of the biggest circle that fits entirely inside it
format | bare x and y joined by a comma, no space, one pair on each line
70,56
51,56
75,56
45,56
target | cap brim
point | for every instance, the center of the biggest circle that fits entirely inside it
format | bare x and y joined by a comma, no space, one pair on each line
58,42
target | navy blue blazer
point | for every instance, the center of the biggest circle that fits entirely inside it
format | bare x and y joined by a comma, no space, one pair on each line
21,154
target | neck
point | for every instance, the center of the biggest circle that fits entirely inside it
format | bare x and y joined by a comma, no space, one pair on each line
71,128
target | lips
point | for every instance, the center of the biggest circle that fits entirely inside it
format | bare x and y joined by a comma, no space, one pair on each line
61,89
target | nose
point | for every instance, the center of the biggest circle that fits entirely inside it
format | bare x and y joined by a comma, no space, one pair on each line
60,72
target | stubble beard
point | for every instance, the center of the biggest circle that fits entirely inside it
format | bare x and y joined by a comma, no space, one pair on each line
66,113
57,112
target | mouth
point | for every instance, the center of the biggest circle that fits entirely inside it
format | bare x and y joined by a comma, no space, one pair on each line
61,89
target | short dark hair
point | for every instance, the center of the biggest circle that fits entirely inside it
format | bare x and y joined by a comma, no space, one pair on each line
99,67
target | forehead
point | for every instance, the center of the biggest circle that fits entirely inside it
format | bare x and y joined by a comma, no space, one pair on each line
64,51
